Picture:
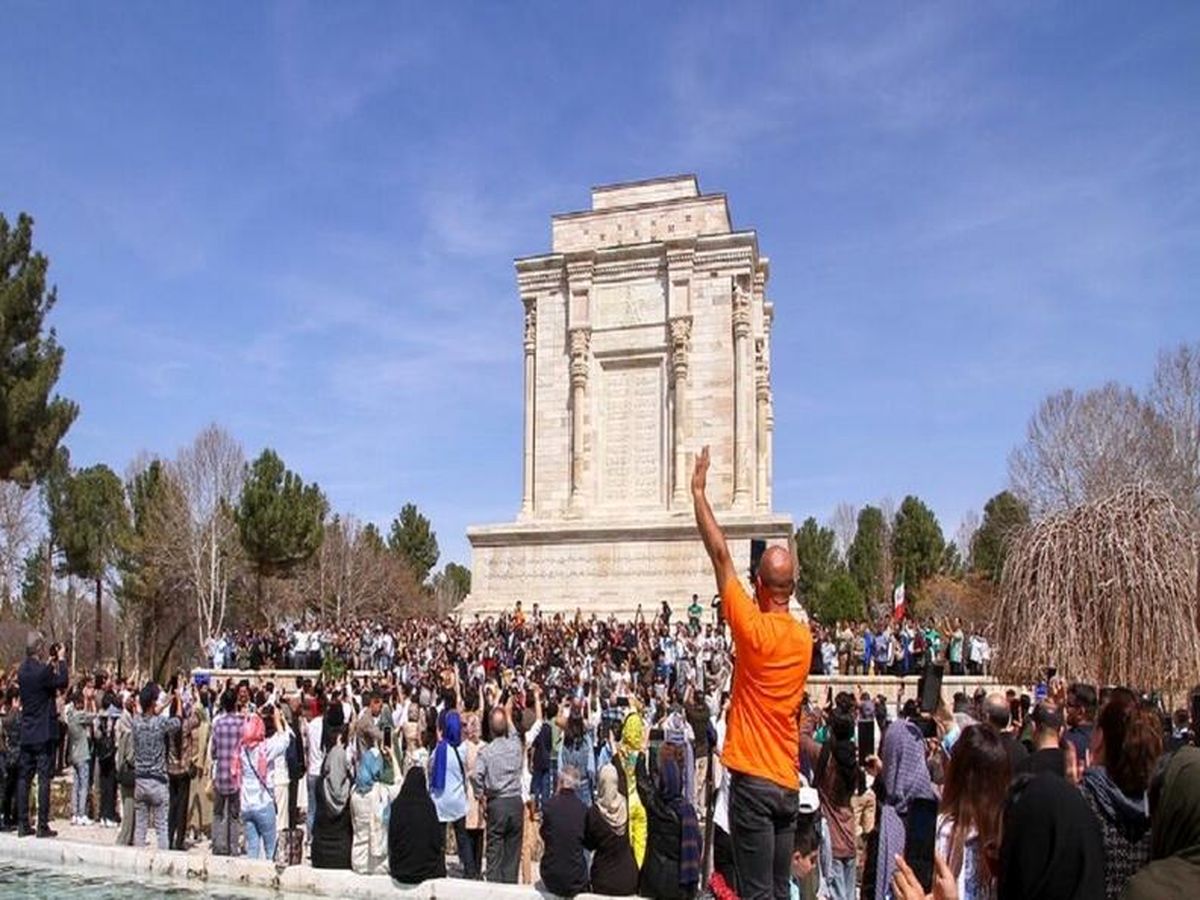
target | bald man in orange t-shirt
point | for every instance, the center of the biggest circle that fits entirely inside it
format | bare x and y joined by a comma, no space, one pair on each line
762,743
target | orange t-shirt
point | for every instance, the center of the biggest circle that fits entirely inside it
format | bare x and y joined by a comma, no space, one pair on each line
774,652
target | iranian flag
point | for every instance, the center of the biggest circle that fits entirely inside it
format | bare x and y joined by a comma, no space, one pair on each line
898,599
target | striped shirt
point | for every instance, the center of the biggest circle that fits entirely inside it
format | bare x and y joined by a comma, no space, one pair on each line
498,768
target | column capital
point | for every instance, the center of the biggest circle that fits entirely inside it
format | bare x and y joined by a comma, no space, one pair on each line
530,303
681,345
741,311
581,340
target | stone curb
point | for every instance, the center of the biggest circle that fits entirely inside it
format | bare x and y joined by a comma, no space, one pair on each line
226,871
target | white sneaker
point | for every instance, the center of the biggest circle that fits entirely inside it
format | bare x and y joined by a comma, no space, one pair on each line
74,820
84,820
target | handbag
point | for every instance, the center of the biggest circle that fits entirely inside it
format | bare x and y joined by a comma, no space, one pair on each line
289,849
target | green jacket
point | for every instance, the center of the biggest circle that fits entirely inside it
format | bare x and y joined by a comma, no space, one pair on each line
78,723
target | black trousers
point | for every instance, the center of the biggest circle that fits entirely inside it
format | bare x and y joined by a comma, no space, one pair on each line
35,759
107,782
762,823
227,825
475,839
505,829
179,791
467,843
11,775
293,820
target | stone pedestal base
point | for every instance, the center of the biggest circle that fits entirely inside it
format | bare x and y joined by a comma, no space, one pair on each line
605,568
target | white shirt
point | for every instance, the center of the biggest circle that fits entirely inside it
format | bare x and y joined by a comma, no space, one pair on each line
256,789
314,731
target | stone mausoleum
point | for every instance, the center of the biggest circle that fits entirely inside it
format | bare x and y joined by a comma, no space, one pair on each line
647,335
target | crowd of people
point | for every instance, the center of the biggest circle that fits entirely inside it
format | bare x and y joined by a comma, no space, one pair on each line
647,757
885,647
1092,792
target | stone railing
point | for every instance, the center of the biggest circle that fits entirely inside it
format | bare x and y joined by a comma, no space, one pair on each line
889,685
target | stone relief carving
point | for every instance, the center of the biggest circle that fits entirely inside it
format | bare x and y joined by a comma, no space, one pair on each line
762,381
681,345
530,324
629,305
581,340
741,311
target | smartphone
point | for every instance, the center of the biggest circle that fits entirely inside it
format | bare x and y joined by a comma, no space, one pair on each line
920,839
387,737
866,740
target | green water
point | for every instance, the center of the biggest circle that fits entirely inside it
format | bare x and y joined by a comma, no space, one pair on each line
38,883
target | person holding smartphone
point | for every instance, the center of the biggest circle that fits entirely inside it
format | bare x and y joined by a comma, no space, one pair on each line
41,676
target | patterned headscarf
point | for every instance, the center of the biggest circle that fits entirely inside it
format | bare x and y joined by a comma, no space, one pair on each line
905,778
253,734
670,788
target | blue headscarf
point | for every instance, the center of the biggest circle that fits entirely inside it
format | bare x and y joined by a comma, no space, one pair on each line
451,727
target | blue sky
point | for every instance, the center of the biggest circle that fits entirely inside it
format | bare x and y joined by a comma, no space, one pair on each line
299,220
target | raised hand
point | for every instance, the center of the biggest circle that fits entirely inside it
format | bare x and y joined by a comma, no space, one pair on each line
700,472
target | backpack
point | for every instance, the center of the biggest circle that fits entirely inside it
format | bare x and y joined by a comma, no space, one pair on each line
294,757
541,751
103,743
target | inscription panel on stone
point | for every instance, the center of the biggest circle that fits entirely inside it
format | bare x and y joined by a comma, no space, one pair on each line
628,304
513,569
631,431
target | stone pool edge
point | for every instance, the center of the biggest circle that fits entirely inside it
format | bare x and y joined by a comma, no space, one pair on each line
234,872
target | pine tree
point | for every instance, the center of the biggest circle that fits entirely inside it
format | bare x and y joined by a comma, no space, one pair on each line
816,559
413,539
281,520
839,600
865,561
917,543
32,422
33,588
91,525
1003,516
153,576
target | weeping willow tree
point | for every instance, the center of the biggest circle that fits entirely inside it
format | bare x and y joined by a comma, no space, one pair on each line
1105,591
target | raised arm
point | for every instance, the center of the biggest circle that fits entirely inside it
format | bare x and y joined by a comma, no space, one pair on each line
706,522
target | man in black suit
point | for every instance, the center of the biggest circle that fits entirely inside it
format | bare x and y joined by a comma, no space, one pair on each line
39,682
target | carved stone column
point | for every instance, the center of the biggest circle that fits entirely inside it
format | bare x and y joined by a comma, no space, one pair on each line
681,340
762,398
767,448
580,344
527,499
742,391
